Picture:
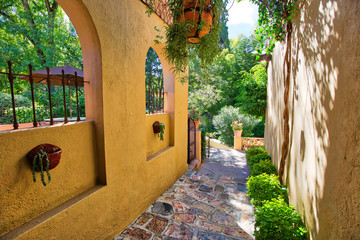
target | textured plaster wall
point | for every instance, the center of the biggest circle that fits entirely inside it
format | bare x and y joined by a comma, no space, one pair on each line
153,142
323,167
20,198
115,37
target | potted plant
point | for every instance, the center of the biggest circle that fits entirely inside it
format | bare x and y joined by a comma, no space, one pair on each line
237,127
159,128
195,30
44,158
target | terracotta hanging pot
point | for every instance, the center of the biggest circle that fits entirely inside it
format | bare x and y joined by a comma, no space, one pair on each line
53,154
195,13
156,127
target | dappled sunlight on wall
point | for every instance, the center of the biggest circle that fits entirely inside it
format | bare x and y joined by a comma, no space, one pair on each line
324,116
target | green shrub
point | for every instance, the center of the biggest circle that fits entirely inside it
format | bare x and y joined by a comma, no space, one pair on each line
265,187
227,115
277,220
257,158
253,150
264,166
203,145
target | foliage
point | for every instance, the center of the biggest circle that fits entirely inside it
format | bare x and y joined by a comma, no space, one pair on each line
279,221
204,99
257,158
253,150
264,166
177,46
226,117
259,129
193,114
38,166
154,82
237,125
203,145
273,17
37,32
161,130
265,187
252,97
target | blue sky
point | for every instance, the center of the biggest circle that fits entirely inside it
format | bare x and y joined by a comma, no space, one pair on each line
242,18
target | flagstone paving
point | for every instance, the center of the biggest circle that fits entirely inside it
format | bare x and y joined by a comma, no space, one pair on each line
200,205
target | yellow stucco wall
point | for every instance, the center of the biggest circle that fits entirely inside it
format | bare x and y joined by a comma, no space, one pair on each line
119,36
22,199
153,142
322,169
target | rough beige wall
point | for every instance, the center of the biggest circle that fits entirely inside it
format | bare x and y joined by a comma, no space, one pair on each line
323,167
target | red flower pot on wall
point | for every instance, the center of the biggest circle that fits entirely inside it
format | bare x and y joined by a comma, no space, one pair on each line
156,127
53,154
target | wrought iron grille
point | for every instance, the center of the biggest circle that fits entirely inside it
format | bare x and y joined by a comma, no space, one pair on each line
162,10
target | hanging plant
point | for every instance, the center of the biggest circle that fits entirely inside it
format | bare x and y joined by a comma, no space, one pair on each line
42,159
195,28
158,129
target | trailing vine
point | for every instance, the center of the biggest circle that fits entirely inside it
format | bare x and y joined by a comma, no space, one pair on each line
37,165
275,25
178,49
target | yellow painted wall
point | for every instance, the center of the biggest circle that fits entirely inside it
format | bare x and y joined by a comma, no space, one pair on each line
153,142
322,169
115,37
22,199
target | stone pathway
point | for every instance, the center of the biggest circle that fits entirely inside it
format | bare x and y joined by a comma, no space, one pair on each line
200,205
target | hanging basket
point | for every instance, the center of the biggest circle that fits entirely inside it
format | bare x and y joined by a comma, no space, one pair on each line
53,153
196,14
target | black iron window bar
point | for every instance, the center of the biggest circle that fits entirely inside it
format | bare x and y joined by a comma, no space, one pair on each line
155,100
11,77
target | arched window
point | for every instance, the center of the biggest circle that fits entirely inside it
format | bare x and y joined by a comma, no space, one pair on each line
154,83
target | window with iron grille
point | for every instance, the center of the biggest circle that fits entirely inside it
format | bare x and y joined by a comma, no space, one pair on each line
154,83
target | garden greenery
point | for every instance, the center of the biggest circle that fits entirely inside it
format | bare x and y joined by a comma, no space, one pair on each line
274,15
257,158
278,220
275,217
177,46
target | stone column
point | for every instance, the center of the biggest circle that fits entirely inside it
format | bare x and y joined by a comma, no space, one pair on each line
237,139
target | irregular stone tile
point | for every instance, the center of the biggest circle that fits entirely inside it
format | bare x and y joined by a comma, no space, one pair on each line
240,180
209,183
162,208
184,217
157,238
241,187
219,188
178,232
216,203
225,179
204,188
242,207
185,199
180,207
208,226
157,225
143,219
224,207
222,219
136,233
237,232
202,206
224,196
230,190
202,235
192,187
202,196
166,198
181,190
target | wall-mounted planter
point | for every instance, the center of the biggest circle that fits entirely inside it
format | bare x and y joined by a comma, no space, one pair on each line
43,158
159,128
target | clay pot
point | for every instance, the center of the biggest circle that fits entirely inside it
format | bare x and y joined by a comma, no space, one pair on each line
197,123
237,133
53,154
192,11
156,127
